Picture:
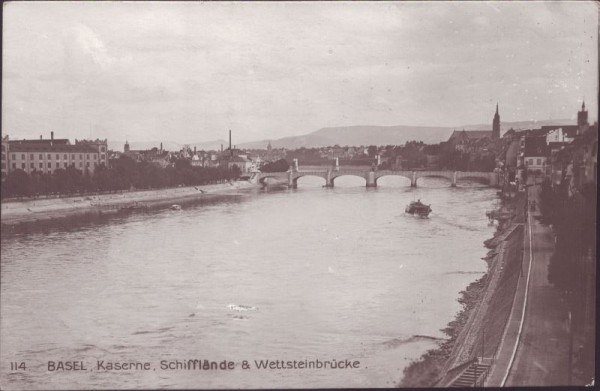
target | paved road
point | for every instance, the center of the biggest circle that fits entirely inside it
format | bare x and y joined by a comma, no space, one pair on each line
542,354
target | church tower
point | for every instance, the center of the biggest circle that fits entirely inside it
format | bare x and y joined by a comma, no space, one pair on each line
496,125
582,119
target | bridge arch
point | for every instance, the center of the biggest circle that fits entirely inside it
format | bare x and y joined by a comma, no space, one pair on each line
448,177
310,174
393,174
346,174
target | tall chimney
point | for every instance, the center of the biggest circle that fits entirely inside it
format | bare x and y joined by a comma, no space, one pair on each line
52,135
230,150
194,149
161,146
221,147
40,136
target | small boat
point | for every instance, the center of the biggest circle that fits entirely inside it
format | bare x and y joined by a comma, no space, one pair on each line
175,207
418,208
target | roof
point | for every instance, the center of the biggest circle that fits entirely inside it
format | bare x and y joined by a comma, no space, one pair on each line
237,159
63,141
536,146
31,147
568,130
469,134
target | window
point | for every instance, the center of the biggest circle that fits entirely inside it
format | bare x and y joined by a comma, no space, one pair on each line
57,156
3,157
41,156
81,155
49,156
102,149
95,157
31,165
22,156
49,165
80,164
65,164
87,156
14,165
539,161
31,156
41,165
3,166
23,166
14,156
73,156
102,157
87,164
57,164
65,157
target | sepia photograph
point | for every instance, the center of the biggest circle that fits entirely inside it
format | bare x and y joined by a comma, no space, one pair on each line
298,195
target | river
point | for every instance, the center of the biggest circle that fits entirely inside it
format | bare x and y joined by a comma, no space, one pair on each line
303,274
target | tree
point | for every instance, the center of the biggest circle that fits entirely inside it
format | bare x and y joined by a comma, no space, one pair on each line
280,165
17,184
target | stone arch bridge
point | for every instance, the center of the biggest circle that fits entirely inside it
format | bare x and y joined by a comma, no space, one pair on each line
371,177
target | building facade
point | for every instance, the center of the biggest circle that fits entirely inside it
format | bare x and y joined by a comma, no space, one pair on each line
48,155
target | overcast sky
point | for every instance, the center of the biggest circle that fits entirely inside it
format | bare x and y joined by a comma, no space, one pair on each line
188,72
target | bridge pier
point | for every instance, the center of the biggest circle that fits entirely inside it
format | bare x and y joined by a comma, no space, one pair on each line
413,181
454,179
371,181
292,184
328,179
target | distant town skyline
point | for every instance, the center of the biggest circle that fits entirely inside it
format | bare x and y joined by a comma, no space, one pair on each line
189,71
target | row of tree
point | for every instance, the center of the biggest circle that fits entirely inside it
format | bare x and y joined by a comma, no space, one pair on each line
124,174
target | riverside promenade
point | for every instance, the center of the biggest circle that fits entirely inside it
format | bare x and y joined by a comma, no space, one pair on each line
534,350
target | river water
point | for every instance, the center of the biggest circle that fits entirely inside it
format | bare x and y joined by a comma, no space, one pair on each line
304,274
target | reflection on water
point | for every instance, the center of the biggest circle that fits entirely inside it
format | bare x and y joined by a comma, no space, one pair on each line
309,273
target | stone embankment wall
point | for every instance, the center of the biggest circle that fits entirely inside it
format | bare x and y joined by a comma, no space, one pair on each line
15,212
482,333
487,303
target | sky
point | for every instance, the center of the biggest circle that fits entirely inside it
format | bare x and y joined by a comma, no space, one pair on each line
190,71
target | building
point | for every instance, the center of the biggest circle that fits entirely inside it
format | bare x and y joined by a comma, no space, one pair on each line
582,119
535,154
464,140
496,125
48,155
5,155
99,145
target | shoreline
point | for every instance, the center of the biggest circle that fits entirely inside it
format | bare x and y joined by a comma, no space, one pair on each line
484,301
18,214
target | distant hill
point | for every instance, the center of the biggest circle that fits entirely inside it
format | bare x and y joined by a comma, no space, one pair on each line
348,135
386,135
358,135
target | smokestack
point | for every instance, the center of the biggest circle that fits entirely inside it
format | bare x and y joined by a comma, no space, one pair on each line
52,135
40,136
161,146
230,150
221,147
194,149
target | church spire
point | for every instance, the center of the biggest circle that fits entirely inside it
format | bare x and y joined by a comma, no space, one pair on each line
496,124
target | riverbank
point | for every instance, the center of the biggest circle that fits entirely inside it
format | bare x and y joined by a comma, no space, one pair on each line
478,328
19,213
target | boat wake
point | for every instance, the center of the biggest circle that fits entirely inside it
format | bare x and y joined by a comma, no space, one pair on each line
241,308
397,342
